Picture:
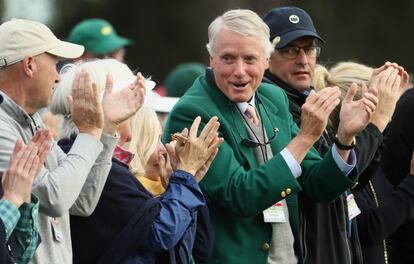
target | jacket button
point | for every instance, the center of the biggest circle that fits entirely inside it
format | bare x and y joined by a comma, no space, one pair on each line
283,194
265,246
288,191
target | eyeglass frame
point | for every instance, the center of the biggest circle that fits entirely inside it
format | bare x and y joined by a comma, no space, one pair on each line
306,50
248,142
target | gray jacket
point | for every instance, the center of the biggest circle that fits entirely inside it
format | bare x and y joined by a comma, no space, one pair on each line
69,183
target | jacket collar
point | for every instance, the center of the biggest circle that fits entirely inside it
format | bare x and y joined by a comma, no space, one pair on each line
227,108
17,113
123,155
293,94
232,116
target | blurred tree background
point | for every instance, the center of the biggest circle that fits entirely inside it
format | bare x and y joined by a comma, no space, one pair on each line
169,32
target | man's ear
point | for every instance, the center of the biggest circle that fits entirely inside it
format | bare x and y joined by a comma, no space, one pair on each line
267,63
29,66
211,61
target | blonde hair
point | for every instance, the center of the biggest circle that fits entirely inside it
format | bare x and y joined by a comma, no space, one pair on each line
342,75
98,70
145,130
241,21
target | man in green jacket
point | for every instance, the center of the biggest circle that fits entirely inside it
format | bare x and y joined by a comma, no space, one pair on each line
265,159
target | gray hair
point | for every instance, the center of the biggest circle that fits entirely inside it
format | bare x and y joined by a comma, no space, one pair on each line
98,70
241,21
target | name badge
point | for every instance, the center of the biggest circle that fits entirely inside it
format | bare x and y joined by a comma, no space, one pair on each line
274,214
353,209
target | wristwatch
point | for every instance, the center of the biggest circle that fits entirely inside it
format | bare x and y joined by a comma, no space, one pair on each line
342,146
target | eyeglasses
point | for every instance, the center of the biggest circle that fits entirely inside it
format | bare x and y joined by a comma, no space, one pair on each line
291,51
253,144
248,142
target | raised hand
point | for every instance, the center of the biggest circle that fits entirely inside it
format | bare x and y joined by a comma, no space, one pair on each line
203,170
42,139
196,152
86,109
316,111
165,166
391,81
314,118
170,147
403,74
355,115
25,163
121,105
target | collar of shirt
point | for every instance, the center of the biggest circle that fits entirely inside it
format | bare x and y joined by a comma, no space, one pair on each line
298,97
307,91
123,155
17,113
243,105
154,187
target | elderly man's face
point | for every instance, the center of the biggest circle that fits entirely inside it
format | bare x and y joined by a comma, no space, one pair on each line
297,72
238,63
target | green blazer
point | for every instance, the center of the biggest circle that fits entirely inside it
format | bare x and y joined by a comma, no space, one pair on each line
237,189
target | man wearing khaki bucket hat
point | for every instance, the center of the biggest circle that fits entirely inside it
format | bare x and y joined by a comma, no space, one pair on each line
29,52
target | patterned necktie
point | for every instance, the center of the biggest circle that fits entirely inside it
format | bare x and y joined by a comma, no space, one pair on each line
251,114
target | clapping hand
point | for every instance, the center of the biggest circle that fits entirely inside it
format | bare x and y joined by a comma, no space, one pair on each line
314,118
119,106
196,154
316,112
355,115
25,163
391,81
86,109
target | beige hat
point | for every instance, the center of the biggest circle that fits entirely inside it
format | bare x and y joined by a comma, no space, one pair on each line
20,38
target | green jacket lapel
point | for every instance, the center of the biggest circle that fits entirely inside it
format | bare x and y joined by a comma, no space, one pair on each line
232,118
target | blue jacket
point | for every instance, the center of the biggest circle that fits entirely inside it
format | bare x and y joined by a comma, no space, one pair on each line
130,226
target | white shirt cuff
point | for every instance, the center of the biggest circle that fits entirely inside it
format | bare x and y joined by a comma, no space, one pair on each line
291,162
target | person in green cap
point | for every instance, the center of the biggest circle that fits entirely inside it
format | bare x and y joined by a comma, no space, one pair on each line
181,77
99,39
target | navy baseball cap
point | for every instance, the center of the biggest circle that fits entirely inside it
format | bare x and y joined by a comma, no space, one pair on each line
289,23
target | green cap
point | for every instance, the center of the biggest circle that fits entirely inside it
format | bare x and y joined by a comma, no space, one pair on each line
97,36
182,77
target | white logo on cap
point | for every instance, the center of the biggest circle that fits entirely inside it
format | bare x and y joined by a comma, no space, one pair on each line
294,19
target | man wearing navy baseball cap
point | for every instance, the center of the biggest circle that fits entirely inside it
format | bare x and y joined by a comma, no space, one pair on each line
295,42
327,236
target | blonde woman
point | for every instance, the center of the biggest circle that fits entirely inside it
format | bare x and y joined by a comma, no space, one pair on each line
152,168
149,164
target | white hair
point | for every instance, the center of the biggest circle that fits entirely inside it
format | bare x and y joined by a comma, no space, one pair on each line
241,21
98,69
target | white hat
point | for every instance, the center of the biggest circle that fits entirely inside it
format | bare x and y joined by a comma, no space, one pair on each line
152,99
118,86
159,103
20,38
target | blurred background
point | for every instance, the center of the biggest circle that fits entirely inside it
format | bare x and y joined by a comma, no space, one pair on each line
170,32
